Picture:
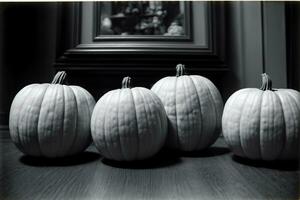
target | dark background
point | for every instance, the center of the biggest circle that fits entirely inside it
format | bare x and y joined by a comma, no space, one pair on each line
28,33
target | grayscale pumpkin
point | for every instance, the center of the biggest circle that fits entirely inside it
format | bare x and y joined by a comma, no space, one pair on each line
129,124
51,120
194,108
263,124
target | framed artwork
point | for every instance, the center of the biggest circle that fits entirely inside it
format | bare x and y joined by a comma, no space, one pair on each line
142,20
142,36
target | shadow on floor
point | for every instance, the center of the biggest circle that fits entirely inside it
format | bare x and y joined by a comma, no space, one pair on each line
282,165
162,159
167,157
209,152
84,157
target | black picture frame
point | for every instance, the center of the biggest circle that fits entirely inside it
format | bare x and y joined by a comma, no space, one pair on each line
140,56
98,37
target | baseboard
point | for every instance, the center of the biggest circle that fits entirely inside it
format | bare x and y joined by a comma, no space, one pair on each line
4,132
3,119
4,127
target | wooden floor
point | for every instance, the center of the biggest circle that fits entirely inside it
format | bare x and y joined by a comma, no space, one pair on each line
212,174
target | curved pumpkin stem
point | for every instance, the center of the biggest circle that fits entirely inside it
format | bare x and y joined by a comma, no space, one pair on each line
266,82
126,82
59,77
180,70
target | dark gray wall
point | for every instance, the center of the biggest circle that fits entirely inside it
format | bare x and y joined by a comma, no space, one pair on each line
3,91
293,44
296,65
256,44
27,53
28,44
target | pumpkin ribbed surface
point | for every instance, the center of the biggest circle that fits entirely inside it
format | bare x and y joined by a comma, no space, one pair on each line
129,124
194,109
51,120
263,123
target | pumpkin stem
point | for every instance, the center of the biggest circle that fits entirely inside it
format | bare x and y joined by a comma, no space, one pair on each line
126,82
59,77
180,70
266,82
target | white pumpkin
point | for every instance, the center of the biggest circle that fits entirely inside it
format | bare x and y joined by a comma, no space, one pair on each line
194,107
263,124
51,120
129,123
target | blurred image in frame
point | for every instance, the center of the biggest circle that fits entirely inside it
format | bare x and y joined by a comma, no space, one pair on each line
164,18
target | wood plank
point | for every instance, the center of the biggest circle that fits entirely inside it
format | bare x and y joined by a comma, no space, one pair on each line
211,174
